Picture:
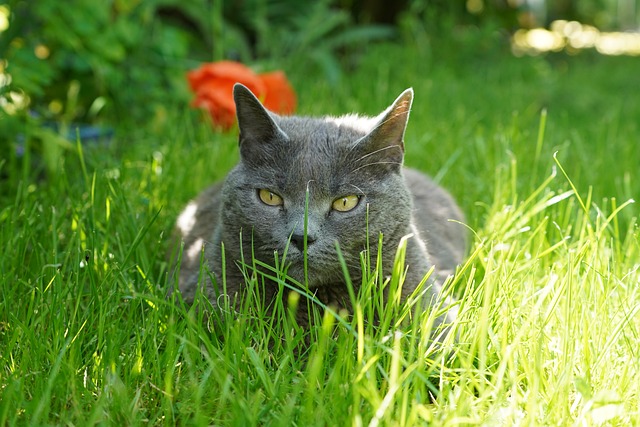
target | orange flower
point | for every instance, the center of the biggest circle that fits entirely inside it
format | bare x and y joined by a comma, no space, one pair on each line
213,83
279,95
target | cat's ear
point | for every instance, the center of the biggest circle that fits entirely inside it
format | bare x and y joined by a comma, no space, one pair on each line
384,144
255,123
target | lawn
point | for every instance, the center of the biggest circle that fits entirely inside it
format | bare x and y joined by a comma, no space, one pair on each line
542,154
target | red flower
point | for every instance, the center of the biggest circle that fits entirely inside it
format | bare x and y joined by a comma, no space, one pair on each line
213,83
279,96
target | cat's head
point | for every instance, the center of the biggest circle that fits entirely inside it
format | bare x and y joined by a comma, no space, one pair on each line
344,175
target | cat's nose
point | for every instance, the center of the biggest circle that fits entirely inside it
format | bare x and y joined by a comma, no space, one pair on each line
297,239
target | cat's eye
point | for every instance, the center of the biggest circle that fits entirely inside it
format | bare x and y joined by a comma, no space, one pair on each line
270,198
345,203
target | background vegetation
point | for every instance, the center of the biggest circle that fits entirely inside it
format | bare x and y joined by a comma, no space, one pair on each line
540,151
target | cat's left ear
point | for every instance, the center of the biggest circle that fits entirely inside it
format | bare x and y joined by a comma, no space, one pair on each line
385,142
257,126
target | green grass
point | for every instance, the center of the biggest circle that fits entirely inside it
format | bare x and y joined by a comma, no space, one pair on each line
549,296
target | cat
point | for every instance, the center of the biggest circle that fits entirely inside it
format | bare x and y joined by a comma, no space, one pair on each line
347,173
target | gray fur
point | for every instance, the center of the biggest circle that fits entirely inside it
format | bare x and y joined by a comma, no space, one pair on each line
331,157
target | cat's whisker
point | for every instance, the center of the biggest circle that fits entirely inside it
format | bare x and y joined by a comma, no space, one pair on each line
358,188
376,163
387,119
391,117
378,151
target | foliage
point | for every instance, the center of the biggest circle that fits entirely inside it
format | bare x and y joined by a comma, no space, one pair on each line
296,35
101,49
86,62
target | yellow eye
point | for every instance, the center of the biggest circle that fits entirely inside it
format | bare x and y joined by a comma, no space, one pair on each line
345,203
269,198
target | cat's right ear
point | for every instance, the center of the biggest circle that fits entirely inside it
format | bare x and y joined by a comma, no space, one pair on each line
255,123
383,146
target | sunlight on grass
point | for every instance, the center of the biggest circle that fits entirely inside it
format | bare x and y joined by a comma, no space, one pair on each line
546,306
574,36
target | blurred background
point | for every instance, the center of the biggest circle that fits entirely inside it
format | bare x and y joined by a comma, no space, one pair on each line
111,61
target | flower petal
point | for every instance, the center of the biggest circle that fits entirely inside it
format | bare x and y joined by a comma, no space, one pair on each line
212,84
229,70
279,96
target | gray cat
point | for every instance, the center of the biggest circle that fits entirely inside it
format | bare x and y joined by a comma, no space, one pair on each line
348,171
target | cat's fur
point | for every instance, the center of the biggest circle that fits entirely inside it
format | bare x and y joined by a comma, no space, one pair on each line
330,158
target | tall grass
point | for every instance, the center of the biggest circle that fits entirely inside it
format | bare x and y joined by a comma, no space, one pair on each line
548,332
